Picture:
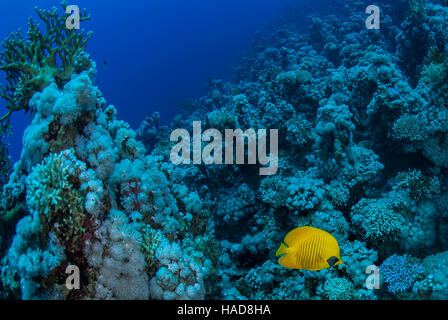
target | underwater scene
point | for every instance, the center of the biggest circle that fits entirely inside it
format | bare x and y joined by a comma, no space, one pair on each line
224,150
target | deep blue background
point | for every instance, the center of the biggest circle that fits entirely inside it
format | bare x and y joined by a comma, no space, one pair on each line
159,52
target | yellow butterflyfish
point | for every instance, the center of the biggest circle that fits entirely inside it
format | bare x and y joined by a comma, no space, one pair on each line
309,248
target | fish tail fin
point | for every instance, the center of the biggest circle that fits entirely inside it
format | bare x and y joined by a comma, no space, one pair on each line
282,250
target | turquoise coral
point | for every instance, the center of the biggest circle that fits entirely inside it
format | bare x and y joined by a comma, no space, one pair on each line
338,289
400,272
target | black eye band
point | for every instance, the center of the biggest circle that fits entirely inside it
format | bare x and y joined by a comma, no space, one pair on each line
332,261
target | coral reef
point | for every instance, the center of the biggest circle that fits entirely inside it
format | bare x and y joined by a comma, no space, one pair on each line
85,193
362,119
363,154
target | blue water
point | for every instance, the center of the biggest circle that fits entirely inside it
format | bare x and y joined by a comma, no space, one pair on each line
152,55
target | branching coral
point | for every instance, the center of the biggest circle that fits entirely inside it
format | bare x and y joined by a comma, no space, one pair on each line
400,272
419,185
31,63
52,192
338,289
273,191
377,219
410,128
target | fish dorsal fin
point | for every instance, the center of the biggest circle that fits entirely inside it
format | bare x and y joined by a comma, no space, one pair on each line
297,235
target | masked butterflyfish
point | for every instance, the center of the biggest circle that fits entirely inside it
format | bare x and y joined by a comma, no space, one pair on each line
309,248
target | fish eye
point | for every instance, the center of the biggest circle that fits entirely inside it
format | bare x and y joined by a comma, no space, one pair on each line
332,261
